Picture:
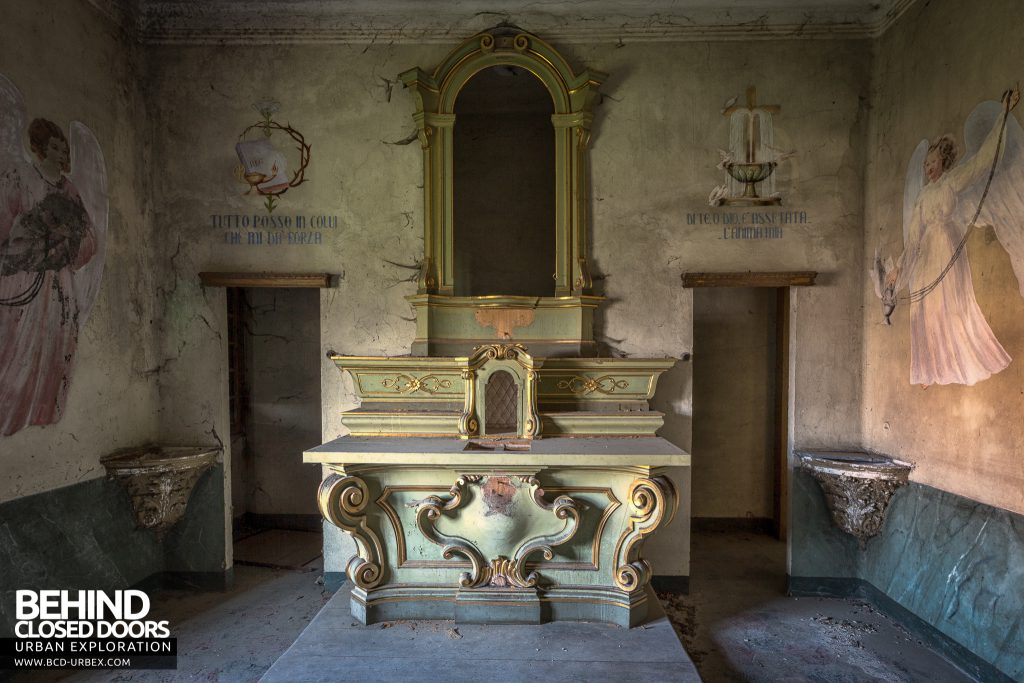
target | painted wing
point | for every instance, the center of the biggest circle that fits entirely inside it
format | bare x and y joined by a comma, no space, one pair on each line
89,176
13,123
15,165
1003,206
912,185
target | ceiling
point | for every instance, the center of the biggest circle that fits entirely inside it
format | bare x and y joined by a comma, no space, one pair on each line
403,21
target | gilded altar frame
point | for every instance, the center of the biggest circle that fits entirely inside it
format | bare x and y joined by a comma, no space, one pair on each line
573,96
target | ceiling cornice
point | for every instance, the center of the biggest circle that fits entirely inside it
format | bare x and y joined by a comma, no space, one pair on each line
366,22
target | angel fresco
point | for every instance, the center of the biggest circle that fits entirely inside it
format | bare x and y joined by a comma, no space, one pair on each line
951,341
53,223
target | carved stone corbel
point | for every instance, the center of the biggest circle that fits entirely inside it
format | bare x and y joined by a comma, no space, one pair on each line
653,501
343,502
500,571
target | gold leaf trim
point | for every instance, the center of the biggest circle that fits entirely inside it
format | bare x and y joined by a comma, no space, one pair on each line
407,384
581,386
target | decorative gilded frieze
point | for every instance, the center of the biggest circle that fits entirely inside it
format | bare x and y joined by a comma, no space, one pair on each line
343,501
501,495
407,384
653,501
581,386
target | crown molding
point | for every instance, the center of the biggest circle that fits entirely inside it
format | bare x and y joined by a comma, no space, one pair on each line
368,22
891,14
125,14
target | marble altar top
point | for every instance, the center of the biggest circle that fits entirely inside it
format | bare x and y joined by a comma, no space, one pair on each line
564,452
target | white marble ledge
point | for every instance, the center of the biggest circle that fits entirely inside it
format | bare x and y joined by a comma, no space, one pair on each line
561,452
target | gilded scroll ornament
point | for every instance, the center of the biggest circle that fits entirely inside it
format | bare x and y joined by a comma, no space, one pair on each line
429,510
407,384
500,571
582,386
486,352
343,502
653,500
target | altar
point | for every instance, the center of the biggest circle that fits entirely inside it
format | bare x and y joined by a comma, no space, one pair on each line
505,472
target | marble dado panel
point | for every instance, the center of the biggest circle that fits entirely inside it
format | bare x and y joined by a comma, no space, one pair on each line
955,563
84,537
959,565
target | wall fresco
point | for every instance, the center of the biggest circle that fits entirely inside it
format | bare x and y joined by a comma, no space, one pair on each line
53,223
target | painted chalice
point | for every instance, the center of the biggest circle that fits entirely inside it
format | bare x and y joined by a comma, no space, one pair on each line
750,174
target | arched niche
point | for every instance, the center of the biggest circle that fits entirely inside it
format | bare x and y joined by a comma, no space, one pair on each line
503,185
501,404
572,96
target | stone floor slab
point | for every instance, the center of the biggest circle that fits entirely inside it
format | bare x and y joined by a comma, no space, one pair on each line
335,647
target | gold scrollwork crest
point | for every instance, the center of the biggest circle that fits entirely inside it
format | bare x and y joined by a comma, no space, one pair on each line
653,501
343,502
580,385
407,384
486,352
501,571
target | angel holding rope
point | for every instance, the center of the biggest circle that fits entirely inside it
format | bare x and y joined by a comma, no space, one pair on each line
53,215
951,342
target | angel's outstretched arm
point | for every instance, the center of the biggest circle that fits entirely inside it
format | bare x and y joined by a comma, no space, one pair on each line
977,167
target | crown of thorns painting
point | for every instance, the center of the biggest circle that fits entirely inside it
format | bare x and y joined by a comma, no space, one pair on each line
263,165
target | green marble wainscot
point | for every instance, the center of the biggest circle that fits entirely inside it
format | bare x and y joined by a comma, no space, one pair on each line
84,536
950,568
444,531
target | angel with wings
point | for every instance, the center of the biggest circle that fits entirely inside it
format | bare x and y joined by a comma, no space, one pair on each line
951,342
53,222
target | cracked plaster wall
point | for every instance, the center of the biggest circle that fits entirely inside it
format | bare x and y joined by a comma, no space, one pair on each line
933,67
653,156
71,63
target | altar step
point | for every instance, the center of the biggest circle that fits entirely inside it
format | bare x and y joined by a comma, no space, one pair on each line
335,647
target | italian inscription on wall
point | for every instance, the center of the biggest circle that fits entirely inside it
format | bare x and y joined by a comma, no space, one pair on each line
256,230
749,224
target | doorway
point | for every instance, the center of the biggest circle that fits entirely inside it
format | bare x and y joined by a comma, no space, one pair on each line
740,373
275,405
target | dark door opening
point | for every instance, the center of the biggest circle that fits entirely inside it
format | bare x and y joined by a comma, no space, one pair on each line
274,398
740,386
